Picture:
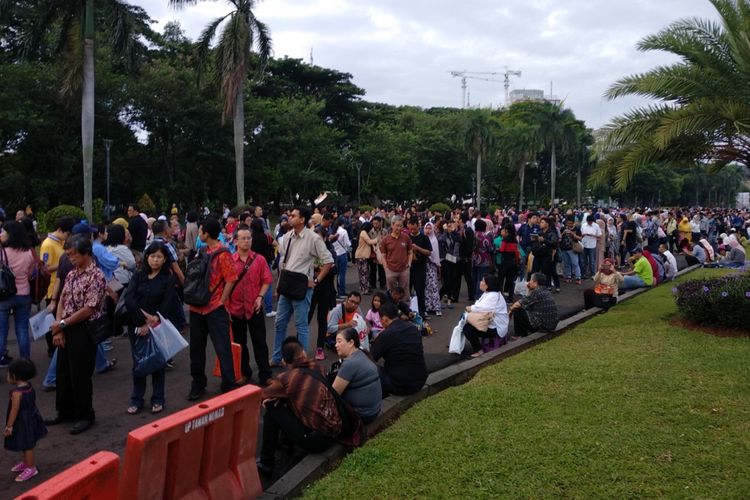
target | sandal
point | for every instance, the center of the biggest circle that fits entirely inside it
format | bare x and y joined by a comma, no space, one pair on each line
132,410
157,408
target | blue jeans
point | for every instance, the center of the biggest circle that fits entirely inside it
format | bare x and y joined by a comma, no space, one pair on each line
284,310
268,300
633,281
20,306
571,269
341,263
100,365
589,261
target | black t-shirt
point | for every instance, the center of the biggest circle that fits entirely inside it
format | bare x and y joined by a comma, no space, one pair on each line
421,241
401,346
631,238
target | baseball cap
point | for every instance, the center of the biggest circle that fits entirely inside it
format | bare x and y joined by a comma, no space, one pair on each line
83,228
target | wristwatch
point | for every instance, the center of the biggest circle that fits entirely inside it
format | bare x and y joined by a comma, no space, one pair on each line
62,324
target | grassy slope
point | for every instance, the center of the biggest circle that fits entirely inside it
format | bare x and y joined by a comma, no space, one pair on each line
622,406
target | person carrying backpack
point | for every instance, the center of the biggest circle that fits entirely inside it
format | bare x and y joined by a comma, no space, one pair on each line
209,281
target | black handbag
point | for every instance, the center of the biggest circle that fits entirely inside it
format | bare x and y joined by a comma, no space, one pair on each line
7,278
100,329
292,285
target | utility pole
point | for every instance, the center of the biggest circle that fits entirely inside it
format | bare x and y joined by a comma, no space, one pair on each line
107,147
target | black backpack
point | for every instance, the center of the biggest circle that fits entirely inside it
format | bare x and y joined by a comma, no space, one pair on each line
197,278
7,278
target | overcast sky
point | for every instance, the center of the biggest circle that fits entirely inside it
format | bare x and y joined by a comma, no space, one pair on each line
401,51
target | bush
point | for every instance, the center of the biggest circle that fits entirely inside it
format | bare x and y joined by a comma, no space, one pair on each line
721,301
366,208
146,204
59,211
440,207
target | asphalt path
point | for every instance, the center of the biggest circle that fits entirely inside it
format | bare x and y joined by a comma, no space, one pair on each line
60,450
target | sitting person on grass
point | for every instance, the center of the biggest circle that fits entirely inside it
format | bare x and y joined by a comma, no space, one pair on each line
641,275
400,344
536,311
491,301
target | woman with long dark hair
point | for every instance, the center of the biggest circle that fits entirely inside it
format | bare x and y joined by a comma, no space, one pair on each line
17,256
263,244
510,259
151,291
324,298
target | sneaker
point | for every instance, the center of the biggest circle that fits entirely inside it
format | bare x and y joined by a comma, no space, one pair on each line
320,355
438,313
170,364
271,314
578,281
19,467
27,474
5,361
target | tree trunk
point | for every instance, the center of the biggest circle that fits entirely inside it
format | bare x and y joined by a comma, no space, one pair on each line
578,187
522,175
87,125
239,146
553,174
479,180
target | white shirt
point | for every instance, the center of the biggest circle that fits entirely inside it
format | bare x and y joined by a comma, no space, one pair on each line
342,244
591,234
670,264
494,302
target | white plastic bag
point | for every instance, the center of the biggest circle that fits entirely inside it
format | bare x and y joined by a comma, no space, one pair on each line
521,289
458,340
167,338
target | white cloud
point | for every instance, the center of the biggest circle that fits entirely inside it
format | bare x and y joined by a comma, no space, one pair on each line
401,52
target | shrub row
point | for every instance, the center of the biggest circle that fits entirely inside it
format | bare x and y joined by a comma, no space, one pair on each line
723,301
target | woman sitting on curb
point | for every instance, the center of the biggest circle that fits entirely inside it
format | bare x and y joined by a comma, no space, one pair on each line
606,282
491,301
357,380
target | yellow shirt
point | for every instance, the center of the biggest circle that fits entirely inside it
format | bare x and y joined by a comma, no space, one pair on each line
50,252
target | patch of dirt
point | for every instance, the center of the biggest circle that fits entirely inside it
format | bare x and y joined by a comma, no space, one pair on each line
716,331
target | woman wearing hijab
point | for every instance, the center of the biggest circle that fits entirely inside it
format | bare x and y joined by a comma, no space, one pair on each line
735,256
606,282
432,288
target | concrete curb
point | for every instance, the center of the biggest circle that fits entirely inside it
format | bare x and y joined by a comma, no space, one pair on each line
314,466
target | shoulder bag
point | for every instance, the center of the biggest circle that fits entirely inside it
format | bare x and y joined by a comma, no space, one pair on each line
7,278
292,285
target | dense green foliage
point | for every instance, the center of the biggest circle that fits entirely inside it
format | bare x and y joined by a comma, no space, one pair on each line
723,301
610,409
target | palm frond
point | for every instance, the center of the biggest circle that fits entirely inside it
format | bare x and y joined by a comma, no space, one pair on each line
232,54
202,47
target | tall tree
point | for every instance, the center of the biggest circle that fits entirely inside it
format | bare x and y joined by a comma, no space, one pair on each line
704,113
479,141
557,127
242,33
73,26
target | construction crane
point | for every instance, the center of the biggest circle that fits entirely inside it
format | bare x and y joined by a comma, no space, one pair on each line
468,74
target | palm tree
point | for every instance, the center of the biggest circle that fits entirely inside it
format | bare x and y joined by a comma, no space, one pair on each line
479,141
242,32
72,24
557,127
519,146
704,109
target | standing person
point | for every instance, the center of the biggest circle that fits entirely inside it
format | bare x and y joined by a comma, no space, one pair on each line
152,291
24,425
421,250
481,256
323,297
465,252
300,248
377,271
138,231
570,236
81,302
591,233
212,319
601,242
191,234
246,304
363,256
50,252
510,260
342,245
545,251
396,249
450,241
432,283
263,244
16,254
613,240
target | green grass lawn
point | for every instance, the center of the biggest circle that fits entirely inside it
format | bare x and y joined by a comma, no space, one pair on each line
622,406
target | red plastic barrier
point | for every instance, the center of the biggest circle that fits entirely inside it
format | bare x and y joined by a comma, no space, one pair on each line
205,451
93,479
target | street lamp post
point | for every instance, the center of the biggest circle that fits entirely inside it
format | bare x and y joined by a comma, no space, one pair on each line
107,147
359,185
534,182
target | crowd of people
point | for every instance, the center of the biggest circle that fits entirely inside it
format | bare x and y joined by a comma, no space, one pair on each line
220,275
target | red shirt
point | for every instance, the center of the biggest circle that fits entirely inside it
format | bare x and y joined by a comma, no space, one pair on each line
222,272
246,290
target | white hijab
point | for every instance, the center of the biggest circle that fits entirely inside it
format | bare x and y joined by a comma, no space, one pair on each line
435,255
